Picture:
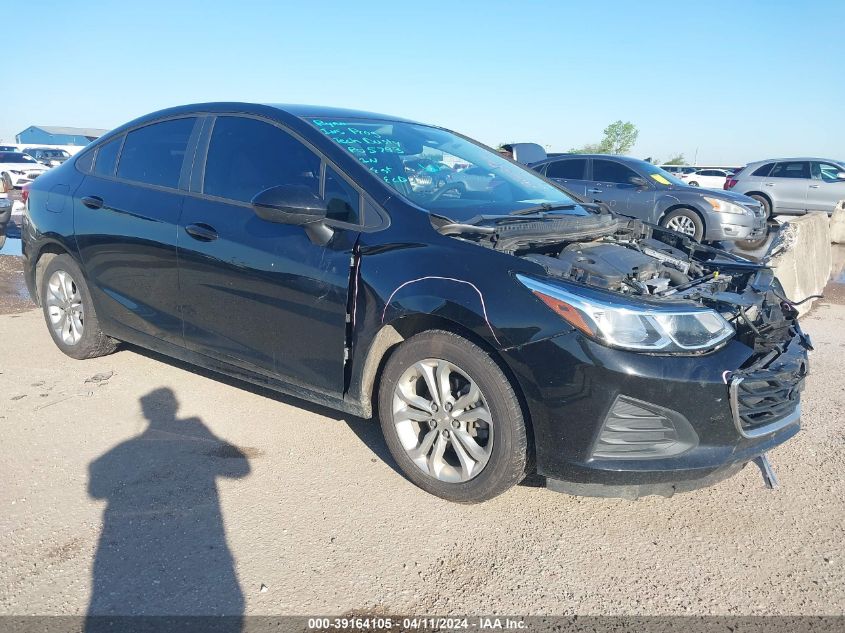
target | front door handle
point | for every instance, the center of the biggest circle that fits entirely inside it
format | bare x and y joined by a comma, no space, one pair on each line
814,186
594,190
93,202
201,232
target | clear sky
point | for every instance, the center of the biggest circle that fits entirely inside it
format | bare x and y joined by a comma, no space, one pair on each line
735,81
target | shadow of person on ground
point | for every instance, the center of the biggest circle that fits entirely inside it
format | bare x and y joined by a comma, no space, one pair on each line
163,549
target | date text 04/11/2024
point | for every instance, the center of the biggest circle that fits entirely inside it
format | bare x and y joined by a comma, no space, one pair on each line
417,623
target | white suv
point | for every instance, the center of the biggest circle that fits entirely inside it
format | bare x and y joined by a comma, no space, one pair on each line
792,186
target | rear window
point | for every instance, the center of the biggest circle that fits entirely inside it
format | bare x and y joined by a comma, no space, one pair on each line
573,168
153,154
764,170
15,157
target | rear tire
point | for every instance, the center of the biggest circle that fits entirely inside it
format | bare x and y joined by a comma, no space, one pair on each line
684,221
69,311
465,441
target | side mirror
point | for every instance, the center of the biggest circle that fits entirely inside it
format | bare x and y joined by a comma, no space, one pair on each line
296,205
840,175
638,181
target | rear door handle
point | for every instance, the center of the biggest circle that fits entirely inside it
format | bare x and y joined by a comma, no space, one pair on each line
594,190
93,202
201,232
769,184
814,186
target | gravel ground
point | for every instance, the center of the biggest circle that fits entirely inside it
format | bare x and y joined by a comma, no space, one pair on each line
135,483
13,293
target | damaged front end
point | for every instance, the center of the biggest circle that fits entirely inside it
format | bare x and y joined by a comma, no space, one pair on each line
673,303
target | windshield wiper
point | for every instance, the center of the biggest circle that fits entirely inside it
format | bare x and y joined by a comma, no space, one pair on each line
546,206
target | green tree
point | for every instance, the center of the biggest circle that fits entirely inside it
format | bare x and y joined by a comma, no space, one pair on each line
619,138
677,159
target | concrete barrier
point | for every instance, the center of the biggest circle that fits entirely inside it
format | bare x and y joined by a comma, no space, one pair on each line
837,224
804,266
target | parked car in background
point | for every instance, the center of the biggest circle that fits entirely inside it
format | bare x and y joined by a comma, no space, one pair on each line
638,188
21,168
709,178
793,186
475,179
8,148
427,175
49,156
498,331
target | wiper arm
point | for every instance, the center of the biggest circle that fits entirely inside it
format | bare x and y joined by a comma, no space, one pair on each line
542,207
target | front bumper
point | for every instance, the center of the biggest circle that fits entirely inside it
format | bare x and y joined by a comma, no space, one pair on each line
730,226
573,387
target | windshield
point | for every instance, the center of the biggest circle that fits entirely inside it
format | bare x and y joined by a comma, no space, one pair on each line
55,153
660,176
15,157
441,171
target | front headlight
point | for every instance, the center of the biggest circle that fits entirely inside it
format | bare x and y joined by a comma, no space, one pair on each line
723,206
629,326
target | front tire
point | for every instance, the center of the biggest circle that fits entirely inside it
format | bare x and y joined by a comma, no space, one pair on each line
451,418
684,221
69,311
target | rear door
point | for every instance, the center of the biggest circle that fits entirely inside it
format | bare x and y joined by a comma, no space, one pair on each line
569,172
258,294
788,184
825,190
126,211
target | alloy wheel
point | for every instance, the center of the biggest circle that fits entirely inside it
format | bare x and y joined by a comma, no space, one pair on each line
681,224
64,307
442,420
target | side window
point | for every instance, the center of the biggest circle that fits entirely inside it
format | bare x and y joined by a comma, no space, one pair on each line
573,168
763,170
799,169
343,201
107,157
611,171
85,162
247,156
153,154
827,172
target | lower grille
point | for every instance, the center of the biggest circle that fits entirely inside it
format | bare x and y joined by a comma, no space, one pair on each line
768,399
634,429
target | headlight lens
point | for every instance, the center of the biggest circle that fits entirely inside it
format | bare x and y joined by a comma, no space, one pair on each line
723,206
639,328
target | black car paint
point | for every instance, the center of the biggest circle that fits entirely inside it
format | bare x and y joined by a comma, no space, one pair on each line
265,304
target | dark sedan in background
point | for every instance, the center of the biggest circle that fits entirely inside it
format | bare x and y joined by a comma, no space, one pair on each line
638,188
494,331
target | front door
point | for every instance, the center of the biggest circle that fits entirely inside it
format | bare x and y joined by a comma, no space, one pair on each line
258,294
125,213
826,189
612,185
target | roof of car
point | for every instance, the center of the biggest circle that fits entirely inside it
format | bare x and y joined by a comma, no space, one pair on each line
619,157
308,111
797,158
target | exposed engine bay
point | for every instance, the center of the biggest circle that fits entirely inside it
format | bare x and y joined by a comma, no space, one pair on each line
632,257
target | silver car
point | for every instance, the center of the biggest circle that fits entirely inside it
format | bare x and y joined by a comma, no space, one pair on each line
792,186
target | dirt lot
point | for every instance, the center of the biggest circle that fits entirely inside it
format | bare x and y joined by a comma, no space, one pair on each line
134,483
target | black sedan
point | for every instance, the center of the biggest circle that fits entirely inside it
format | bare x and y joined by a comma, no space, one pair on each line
493,331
